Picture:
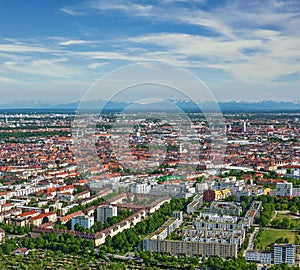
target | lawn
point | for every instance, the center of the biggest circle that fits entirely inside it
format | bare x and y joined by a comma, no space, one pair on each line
269,236
292,218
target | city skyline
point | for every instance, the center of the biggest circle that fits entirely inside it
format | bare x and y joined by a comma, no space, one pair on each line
53,51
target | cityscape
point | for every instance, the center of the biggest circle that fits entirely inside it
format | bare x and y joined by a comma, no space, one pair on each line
146,134
246,209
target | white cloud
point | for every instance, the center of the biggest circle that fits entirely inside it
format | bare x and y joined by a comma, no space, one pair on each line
24,48
44,67
71,11
132,8
7,80
96,65
75,42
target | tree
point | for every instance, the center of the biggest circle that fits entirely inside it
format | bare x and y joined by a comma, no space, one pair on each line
285,224
294,209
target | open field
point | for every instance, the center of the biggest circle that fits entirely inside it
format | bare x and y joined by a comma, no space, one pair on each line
269,236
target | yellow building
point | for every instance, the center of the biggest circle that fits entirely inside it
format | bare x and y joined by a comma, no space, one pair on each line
267,191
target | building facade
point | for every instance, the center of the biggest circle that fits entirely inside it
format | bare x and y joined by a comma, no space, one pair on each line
284,253
259,257
284,190
175,247
85,221
140,188
106,211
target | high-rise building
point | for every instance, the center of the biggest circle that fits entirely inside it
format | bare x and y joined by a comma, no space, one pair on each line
85,221
284,189
284,253
244,128
106,211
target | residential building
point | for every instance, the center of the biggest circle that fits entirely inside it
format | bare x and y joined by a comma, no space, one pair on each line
284,253
195,204
85,221
175,247
140,188
65,197
44,218
106,211
82,195
215,195
259,257
224,208
284,190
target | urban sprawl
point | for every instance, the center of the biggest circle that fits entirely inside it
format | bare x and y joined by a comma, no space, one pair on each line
185,210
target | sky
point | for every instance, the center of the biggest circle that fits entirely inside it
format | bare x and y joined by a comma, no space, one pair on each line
53,51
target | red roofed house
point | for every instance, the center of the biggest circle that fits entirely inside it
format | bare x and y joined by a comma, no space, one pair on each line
44,218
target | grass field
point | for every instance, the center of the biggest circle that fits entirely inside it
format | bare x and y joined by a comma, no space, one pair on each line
293,219
269,236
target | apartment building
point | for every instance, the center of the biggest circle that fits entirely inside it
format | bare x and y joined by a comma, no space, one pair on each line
284,190
215,236
259,257
85,221
195,204
213,221
176,247
143,188
224,208
215,195
106,211
284,253
191,244
65,197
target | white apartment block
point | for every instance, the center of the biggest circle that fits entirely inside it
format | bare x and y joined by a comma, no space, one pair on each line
106,211
140,188
259,257
236,237
85,221
284,253
214,221
284,189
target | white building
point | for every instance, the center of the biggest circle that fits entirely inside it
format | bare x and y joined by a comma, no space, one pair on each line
85,221
284,189
195,204
106,211
284,253
140,188
260,257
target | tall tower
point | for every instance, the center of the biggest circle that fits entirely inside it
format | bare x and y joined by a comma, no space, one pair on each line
244,128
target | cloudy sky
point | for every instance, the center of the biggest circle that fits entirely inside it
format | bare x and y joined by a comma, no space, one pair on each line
242,50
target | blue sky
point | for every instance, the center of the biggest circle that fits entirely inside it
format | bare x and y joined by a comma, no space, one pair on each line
242,50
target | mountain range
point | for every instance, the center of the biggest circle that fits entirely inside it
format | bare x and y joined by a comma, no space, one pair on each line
186,106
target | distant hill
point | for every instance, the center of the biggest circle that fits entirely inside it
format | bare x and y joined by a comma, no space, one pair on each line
187,106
